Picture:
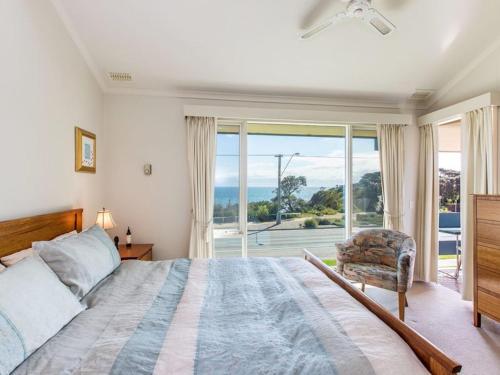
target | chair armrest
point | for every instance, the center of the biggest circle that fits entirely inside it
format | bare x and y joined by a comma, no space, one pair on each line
346,253
405,265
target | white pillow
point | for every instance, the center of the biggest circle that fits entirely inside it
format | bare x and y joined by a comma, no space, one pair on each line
81,261
12,259
34,306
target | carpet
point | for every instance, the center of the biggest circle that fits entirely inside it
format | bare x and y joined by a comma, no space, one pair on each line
440,315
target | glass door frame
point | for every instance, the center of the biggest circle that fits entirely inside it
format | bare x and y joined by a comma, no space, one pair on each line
243,188
242,230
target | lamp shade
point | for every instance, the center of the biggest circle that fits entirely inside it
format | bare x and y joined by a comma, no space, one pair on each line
105,219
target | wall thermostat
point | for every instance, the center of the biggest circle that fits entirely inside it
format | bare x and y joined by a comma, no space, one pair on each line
148,169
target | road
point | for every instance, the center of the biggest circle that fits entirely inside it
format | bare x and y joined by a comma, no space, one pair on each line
320,242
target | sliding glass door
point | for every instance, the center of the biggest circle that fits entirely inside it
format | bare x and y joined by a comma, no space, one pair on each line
283,187
367,205
228,228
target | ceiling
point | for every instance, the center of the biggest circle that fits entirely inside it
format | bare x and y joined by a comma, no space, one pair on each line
252,46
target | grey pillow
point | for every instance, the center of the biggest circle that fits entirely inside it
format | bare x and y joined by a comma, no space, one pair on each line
34,306
81,261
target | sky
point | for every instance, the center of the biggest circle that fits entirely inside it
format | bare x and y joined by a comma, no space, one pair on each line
450,160
321,159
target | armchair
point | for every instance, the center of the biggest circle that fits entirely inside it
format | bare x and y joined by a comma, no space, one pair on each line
381,258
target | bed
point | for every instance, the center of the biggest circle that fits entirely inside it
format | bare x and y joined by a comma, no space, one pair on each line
223,316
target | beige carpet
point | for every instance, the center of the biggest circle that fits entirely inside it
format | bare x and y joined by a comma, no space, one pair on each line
440,315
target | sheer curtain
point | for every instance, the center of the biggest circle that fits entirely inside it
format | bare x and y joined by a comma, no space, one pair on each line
201,138
426,262
479,177
391,141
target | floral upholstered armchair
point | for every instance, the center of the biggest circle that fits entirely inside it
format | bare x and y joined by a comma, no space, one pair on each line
379,257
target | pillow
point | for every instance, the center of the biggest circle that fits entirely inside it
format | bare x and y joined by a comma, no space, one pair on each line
34,306
12,259
81,261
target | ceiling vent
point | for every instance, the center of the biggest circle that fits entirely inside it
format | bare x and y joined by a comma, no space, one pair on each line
422,95
121,77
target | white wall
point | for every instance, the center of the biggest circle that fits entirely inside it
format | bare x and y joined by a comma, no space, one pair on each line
157,208
139,130
46,89
485,77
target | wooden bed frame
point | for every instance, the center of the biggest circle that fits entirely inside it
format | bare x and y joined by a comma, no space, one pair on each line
434,359
16,235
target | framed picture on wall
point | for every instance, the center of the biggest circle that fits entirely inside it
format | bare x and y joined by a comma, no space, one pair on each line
85,151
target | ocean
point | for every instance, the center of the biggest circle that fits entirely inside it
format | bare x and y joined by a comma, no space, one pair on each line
225,194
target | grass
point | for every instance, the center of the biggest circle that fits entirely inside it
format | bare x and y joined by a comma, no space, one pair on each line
444,257
330,262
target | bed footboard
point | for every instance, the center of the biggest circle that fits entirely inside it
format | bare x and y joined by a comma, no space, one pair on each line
434,359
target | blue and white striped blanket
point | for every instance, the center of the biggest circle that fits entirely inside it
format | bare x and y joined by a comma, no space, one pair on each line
226,316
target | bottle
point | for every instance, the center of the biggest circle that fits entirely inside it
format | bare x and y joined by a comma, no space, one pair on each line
129,237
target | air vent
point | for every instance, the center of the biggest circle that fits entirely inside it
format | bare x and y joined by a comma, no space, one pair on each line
421,95
122,77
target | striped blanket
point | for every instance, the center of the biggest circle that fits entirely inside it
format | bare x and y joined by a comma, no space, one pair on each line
226,316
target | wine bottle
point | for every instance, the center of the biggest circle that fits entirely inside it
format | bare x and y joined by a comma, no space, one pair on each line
129,237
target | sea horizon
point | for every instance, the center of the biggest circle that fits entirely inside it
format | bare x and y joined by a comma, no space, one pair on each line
226,194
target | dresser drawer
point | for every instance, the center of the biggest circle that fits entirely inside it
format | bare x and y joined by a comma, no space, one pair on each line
488,280
488,257
488,209
488,304
488,233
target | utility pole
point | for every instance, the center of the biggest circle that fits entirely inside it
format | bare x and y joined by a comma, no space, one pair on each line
278,212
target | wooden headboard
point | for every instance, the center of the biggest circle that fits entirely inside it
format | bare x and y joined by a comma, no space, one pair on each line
18,234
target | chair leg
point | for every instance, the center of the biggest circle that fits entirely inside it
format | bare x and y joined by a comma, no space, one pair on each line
363,287
406,301
401,299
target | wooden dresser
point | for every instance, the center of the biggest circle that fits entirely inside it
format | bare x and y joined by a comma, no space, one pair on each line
486,257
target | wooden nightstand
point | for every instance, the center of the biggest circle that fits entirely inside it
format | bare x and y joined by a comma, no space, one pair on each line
136,251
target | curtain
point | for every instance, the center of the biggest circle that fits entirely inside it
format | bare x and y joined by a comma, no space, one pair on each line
201,138
478,176
426,262
391,141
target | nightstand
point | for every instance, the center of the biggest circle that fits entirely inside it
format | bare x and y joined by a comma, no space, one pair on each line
136,251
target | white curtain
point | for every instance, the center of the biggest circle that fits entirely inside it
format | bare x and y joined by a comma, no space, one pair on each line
201,137
391,141
478,177
426,262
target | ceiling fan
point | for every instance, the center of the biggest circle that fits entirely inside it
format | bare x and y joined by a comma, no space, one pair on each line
360,9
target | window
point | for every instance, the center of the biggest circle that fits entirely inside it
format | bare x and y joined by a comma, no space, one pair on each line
281,187
367,205
306,209
450,156
227,226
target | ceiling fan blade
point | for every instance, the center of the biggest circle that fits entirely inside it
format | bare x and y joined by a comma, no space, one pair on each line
323,25
379,22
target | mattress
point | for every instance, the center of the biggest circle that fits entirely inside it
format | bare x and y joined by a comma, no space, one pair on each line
223,316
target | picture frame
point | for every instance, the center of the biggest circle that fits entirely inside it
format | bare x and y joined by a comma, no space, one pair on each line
85,151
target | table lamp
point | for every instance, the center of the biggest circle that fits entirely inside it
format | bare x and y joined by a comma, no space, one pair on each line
105,221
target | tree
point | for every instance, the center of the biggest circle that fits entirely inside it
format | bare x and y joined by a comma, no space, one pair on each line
289,186
449,186
257,210
332,198
262,213
367,193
